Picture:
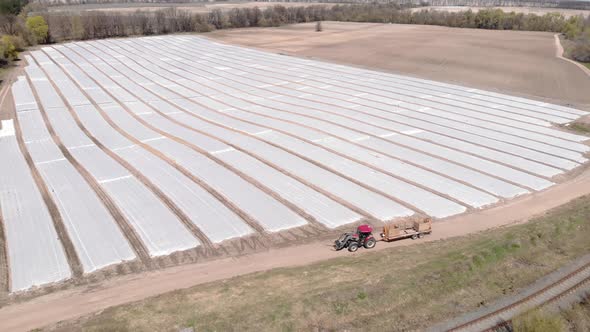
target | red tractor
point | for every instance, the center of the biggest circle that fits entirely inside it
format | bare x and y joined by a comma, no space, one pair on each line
363,237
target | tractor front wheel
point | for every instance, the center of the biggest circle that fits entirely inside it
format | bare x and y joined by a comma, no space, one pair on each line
370,244
353,247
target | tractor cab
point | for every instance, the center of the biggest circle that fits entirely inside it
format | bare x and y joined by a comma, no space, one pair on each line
363,236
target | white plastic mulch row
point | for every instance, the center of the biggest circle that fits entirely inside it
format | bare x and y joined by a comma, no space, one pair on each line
95,235
35,253
495,169
311,73
534,182
198,204
282,84
269,212
325,210
322,102
141,207
431,203
507,105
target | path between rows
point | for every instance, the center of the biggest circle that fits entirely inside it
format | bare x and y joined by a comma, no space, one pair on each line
76,302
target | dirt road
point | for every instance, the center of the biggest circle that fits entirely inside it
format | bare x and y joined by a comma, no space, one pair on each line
72,303
513,62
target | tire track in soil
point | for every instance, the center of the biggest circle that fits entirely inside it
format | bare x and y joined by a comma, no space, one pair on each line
405,115
314,224
366,216
395,199
409,147
58,223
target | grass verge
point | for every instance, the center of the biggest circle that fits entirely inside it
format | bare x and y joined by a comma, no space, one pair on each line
576,318
404,288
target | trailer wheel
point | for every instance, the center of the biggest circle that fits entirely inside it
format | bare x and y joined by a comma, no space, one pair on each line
421,235
353,247
414,237
370,244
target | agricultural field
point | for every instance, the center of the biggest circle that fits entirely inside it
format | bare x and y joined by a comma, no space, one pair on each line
132,149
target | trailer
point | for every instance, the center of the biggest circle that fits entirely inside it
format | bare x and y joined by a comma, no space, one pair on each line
402,230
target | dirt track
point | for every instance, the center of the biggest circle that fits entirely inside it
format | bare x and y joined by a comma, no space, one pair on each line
513,62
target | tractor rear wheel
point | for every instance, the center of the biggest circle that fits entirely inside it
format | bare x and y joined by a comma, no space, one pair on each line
370,244
353,247
414,237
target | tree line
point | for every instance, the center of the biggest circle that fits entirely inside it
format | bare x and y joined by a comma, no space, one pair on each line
98,24
33,25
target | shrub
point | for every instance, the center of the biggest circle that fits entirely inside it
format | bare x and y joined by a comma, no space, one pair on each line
9,51
581,51
318,26
38,27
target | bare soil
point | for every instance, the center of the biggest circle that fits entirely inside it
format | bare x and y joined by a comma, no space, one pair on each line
514,62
